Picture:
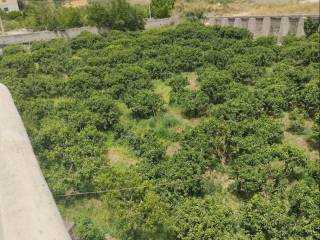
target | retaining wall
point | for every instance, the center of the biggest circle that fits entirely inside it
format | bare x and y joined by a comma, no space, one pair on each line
26,38
278,26
29,37
157,23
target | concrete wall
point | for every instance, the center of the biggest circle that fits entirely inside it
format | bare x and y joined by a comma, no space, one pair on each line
259,25
277,26
11,5
27,208
157,23
30,37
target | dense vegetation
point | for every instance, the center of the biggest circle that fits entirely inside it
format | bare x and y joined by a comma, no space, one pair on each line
161,8
114,14
186,128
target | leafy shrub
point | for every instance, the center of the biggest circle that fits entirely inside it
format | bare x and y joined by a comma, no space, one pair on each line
244,72
123,16
220,220
178,82
218,58
233,33
105,107
146,104
261,56
239,108
215,84
88,230
194,104
273,94
157,69
315,136
161,8
84,40
254,171
311,97
311,26
21,62
275,222
296,117
127,81
13,49
119,14
98,15
195,15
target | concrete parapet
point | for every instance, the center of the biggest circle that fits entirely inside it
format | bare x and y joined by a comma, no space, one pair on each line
284,27
237,22
252,26
27,208
266,26
300,27
224,22
156,23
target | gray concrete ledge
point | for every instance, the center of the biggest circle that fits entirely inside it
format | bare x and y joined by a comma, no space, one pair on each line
27,208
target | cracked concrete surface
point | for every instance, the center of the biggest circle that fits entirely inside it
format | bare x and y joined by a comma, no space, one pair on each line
27,208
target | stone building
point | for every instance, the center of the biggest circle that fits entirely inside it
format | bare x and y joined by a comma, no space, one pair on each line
9,5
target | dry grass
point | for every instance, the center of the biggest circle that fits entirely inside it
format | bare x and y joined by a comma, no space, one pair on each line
76,3
139,2
287,9
176,113
299,141
172,149
219,178
236,7
193,82
246,7
163,90
119,155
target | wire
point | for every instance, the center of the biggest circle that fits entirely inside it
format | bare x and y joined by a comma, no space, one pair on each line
123,189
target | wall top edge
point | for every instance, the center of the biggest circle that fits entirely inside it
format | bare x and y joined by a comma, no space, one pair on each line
271,16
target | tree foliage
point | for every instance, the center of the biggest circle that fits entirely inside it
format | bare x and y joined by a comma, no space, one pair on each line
183,131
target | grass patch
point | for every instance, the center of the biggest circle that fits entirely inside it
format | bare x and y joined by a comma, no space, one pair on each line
184,122
163,90
172,149
163,125
301,140
121,156
193,81
91,208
